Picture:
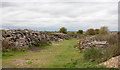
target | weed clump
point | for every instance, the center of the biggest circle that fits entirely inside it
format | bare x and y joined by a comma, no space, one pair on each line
102,54
96,54
38,43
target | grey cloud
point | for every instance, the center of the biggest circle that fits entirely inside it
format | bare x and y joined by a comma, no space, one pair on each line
61,1
52,16
9,4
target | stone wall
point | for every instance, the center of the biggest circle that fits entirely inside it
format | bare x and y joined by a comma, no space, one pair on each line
22,38
88,42
59,36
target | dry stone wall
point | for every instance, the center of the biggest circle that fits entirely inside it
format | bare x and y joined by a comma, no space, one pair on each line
59,36
89,42
24,38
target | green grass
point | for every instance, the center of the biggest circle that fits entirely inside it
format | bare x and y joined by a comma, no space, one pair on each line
27,59
61,55
10,54
29,62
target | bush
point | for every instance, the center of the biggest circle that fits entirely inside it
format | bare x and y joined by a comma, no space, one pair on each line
52,39
5,45
102,54
115,49
63,30
93,54
90,32
97,31
40,43
103,30
98,55
43,42
80,31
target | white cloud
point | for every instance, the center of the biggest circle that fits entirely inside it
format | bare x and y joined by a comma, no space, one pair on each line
53,14
60,1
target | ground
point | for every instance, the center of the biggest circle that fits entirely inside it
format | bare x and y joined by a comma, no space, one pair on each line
60,55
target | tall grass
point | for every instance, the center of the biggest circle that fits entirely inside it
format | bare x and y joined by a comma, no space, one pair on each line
102,54
112,39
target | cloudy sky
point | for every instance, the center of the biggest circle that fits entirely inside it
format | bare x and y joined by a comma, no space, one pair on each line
50,15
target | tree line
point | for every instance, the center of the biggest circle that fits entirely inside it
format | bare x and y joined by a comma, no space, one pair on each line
91,31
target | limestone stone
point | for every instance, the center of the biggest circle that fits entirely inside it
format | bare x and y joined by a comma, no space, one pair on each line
21,38
24,38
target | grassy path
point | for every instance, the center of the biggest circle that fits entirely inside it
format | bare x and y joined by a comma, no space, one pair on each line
60,55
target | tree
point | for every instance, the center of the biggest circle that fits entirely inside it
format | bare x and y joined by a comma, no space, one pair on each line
104,30
80,31
90,32
63,30
97,31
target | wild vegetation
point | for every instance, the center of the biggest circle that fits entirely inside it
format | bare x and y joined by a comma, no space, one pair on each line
60,55
101,54
80,31
63,30
63,52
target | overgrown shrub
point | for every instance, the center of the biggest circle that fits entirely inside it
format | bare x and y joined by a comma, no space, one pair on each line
5,45
98,55
52,39
115,49
102,54
63,30
103,30
93,54
112,39
40,43
97,31
80,32
90,32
